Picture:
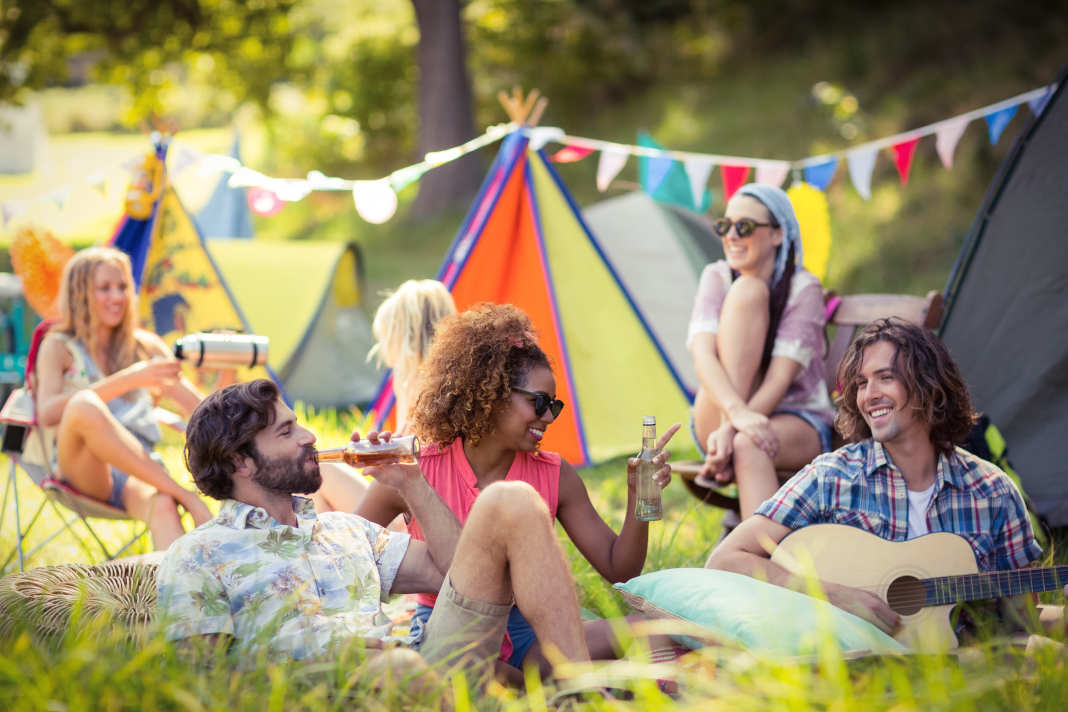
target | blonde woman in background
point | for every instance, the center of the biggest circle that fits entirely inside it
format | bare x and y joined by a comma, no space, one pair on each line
97,379
403,327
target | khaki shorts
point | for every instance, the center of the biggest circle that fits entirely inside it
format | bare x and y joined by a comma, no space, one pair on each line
463,631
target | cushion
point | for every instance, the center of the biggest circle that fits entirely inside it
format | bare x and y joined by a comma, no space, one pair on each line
756,615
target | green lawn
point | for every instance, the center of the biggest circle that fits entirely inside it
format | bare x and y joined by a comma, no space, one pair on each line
99,669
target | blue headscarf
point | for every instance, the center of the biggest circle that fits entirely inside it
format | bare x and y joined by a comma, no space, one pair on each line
782,210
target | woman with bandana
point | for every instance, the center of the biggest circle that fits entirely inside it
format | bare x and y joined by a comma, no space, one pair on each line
756,337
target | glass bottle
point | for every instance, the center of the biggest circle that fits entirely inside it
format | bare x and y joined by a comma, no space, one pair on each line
647,508
403,449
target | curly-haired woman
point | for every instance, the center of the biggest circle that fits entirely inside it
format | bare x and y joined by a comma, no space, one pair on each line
486,396
97,375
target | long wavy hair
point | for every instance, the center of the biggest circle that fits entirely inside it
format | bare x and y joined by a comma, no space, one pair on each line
78,315
931,378
466,380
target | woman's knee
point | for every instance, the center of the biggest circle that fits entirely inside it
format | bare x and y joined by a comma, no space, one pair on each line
85,408
747,291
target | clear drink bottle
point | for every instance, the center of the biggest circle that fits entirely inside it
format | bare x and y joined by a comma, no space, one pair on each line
647,508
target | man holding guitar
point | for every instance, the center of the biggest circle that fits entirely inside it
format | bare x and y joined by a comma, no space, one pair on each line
903,406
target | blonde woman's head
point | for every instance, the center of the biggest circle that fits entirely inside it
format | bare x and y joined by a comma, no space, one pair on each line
404,325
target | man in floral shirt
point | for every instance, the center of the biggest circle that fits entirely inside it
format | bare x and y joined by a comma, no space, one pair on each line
268,575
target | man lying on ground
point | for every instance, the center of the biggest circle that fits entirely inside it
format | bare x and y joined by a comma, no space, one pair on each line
904,406
267,572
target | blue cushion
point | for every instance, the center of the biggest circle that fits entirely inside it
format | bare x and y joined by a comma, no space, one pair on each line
758,616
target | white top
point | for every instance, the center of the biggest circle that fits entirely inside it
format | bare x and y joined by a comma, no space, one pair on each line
918,504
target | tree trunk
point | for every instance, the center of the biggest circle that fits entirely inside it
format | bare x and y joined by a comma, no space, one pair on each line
446,114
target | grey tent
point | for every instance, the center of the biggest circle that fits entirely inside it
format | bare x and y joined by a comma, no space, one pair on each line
658,251
1006,317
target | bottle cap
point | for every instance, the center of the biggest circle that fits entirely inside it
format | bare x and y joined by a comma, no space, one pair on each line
649,420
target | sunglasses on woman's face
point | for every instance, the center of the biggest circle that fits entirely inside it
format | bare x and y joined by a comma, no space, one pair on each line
542,402
743,227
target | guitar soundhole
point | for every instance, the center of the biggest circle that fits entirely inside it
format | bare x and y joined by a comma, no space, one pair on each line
905,595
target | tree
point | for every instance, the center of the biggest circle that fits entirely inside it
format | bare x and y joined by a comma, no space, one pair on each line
446,106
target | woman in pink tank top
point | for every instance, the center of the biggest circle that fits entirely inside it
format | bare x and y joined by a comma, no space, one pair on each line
486,397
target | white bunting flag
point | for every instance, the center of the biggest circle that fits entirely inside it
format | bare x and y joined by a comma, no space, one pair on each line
946,138
861,165
609,165
772,172
698,170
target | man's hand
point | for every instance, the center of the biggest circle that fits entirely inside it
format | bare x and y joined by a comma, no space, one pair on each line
662,476
395,476
865,605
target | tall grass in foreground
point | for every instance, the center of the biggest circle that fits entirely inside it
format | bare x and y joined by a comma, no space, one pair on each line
97,668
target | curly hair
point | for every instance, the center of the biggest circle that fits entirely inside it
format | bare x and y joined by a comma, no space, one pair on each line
476,358
78,316
222,428
927,370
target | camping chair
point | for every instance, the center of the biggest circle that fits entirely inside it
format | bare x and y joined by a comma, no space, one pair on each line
845,317
21,445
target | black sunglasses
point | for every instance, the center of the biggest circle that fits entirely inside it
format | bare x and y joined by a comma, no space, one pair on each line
542,402
743,227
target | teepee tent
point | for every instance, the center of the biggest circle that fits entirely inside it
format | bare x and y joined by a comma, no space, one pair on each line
308,298
1006,316
524,242
646,241
180,288
226,214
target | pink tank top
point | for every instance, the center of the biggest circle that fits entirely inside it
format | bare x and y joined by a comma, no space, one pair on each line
450,474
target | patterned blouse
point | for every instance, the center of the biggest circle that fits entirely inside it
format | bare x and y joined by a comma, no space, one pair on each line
800,336
292,590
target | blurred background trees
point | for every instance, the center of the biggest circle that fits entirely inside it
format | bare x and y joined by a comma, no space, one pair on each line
358,88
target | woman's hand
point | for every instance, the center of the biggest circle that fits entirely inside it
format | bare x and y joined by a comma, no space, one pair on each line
757,427
662,476
719,455
153,374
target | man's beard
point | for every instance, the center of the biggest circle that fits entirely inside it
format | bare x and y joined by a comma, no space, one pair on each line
287,475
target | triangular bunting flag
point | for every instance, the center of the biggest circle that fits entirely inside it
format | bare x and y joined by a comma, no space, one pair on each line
571,154
820,174
946,138
903,153
698,170
997,121
608,167
1039,102
861,164
733,179
665,179
772,172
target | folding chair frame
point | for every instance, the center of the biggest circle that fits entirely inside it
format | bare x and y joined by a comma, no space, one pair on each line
53,490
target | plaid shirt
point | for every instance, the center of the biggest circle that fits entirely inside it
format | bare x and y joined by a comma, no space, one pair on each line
860,486
295,590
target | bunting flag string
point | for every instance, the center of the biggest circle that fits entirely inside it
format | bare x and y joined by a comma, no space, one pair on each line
376,200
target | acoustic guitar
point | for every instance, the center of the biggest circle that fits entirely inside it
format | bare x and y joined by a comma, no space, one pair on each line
921,579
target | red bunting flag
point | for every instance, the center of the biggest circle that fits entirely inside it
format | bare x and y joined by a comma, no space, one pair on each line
733,179
903,153
571,154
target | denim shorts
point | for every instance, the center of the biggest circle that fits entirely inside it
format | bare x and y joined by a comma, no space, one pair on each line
818,424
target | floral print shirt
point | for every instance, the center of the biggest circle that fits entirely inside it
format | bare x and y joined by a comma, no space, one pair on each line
295,591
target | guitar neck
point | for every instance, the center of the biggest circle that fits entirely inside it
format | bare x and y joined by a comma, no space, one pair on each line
947,590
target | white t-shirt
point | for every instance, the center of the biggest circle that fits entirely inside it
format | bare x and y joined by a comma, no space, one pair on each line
918,503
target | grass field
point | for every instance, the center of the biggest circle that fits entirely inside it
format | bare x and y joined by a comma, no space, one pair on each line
98,669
